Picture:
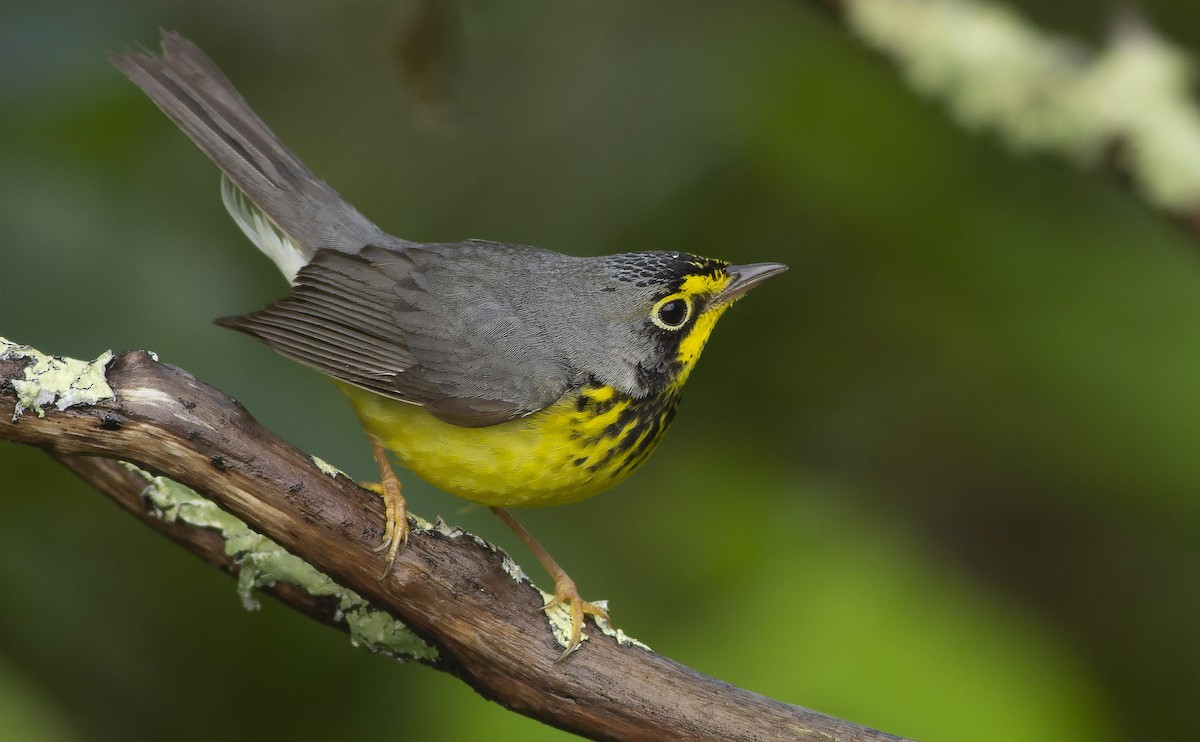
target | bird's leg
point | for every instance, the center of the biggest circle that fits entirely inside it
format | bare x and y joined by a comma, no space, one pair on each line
395,529
564,587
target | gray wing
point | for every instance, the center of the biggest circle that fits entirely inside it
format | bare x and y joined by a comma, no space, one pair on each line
379,320
194,93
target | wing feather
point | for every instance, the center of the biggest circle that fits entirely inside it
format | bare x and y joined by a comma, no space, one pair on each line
377,320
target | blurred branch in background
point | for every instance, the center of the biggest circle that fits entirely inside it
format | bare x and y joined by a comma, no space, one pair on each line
1127,108
472,605
424,49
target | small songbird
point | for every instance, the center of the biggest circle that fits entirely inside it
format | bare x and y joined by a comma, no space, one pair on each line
503,374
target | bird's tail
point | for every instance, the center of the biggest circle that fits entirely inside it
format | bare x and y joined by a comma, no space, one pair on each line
281,206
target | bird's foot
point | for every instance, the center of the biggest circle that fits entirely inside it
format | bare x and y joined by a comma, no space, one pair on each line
566,593
395,528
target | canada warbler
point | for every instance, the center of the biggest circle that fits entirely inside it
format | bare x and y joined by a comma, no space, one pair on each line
503,374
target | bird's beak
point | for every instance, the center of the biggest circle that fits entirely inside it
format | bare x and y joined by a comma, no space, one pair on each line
746,277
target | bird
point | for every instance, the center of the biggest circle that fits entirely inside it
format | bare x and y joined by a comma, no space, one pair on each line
503,374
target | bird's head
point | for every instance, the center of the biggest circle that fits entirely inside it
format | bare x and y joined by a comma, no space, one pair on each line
669,303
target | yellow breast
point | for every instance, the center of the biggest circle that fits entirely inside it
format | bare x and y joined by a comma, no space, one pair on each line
576,448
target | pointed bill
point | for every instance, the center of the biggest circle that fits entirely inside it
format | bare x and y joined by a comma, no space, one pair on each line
746,277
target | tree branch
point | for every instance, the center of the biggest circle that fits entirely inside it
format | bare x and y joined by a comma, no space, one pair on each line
465,607
1128,108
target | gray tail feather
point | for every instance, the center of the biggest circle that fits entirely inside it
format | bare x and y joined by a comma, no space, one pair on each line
197,96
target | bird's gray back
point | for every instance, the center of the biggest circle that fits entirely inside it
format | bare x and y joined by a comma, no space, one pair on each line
573,313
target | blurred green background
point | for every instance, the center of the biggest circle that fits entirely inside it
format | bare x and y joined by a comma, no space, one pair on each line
941,478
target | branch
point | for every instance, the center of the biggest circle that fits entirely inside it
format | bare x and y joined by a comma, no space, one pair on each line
1128,108
462,606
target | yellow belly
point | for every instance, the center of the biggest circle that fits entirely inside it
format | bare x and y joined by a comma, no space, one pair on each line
576,448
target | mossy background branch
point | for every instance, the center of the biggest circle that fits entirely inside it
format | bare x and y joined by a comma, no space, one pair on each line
468,606
1129,106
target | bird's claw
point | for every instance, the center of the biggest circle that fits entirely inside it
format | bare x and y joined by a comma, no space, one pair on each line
566,593
395,527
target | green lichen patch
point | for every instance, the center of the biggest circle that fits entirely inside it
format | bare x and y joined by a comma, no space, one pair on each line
261,562
620,637
561,622
420,523
513,570
560,625
327,468
54,380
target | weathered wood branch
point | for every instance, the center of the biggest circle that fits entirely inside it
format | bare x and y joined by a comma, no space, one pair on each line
465,608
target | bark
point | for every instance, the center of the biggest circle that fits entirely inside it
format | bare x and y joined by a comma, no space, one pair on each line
464,607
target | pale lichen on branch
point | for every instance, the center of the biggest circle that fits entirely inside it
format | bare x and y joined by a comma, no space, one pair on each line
1047,93
261,562
54,380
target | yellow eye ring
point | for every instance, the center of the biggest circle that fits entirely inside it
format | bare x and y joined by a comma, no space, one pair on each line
672,312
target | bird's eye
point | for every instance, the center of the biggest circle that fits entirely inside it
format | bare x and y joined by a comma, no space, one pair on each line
671,313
